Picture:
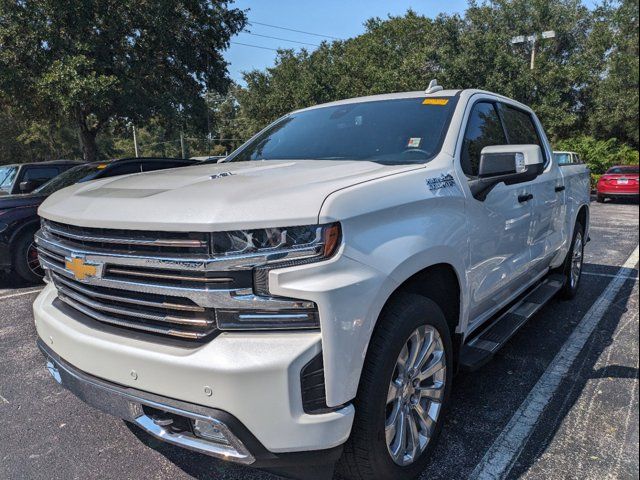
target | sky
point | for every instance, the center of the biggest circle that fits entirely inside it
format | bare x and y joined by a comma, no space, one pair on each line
332,18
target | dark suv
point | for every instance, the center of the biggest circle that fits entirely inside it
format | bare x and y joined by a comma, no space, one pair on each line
19,213
26,177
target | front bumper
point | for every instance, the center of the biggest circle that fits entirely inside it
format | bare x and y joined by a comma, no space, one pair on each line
158,416
254,377
616,191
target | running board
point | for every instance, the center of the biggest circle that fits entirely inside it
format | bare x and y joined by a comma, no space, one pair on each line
480,349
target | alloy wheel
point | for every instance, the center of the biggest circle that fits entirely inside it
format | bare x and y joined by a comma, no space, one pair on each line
32,260
415,395
576,260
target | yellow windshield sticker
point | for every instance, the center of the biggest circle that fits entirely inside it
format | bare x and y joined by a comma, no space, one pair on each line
435,101
101,166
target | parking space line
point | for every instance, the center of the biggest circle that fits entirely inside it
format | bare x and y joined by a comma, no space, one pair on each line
501,456
19,294
631,274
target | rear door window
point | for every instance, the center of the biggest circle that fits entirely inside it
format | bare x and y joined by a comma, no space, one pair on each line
520,128
40,174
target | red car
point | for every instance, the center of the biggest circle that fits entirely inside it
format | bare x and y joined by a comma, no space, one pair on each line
619,182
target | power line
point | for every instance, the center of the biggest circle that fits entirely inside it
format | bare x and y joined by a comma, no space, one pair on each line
255,46
293,30
283,39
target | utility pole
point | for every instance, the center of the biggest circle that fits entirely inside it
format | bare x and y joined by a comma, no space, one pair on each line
182,143
532,40
135,141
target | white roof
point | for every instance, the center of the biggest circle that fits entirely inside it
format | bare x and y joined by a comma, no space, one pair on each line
417,94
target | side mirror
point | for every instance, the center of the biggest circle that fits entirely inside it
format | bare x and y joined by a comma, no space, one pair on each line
28,186
510,164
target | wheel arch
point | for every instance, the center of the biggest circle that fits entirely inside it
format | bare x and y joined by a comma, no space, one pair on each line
19,232
442,283
583,217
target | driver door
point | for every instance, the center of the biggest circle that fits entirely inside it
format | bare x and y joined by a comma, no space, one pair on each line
499,225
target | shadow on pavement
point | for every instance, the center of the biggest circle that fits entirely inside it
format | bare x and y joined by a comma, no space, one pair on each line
575,384
10,280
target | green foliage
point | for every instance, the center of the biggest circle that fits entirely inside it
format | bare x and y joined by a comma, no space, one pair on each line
570,88
72,69
98,63
614,109
599,155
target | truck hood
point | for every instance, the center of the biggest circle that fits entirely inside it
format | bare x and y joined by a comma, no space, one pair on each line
213,197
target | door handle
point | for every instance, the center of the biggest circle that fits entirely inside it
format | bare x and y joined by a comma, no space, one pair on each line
560,188
525,198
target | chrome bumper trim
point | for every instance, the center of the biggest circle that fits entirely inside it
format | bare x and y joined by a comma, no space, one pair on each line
126,403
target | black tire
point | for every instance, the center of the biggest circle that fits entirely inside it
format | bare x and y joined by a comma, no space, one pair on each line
600,199
570,289
24,263
366,455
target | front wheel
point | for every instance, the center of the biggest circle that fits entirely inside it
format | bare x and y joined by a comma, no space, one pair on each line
403,394
25,259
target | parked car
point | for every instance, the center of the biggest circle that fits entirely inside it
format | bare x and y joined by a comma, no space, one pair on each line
619,182
311,297
567,158
26,177
18,213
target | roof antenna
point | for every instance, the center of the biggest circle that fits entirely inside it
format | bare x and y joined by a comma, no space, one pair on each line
433,87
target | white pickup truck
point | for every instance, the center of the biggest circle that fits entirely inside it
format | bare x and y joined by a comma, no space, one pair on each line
308,300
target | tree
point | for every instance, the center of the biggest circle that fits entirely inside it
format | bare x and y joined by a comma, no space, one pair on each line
25,140
404,53
614,107
96,63
585,79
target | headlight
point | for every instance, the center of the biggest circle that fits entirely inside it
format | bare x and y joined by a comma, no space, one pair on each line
279,248
308,240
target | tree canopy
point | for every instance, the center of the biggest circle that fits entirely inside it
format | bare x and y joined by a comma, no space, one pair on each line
75,69
92,63
585,80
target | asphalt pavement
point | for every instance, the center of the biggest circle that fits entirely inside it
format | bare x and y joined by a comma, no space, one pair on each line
559,401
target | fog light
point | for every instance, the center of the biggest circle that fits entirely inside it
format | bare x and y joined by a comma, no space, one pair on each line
208,431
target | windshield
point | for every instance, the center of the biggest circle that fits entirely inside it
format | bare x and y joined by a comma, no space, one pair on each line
624,170
409,130
562,158
71,176
7,176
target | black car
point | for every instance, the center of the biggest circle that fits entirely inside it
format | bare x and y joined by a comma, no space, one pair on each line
26,177
19,213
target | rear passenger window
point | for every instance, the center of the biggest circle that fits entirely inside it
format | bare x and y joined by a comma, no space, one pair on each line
40,174
483,129
520,128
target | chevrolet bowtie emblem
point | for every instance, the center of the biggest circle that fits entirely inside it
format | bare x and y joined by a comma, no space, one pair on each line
80,268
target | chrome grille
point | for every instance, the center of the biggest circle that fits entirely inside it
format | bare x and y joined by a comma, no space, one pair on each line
175,290
131,241
166,316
